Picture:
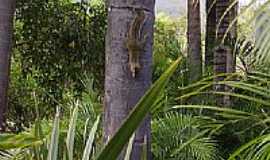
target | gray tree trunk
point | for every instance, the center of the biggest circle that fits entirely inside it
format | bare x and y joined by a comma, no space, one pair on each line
225,50
223,20
233,31
210,37
194,41
122,90
6,24
221,52
220,66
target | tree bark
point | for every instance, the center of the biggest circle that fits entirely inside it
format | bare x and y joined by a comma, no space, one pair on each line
194,41
7,8
210,37
225,50
234,13
223,20
220,66
122,90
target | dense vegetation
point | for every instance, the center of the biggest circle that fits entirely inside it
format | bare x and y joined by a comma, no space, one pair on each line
57,76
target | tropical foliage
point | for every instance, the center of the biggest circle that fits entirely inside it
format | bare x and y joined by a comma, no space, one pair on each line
58,71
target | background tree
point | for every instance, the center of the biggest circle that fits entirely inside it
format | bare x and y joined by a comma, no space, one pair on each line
59,44
122,90
6,24
234,36
226,12
210,34
194,41
224,57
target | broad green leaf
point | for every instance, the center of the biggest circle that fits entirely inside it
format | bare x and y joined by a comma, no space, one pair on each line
89,144
53,149
129,147
85,130
71,132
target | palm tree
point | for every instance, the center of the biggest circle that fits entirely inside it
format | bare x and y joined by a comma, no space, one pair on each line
6,18
123,86
194,41
210,33
226,12
234,14
224,57
172,134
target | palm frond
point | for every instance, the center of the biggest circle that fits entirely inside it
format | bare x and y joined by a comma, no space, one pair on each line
177,136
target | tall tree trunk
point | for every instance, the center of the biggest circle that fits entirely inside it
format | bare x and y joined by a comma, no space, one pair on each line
225,15
210,36
6,18
233,31
221,52
225,49
194,41
122,89
223,20
220,67
231,57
